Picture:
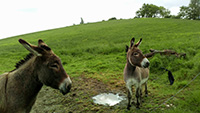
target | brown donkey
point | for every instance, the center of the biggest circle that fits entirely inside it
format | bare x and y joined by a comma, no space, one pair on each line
135,72
19,88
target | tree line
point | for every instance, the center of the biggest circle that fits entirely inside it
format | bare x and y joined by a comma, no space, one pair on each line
192,11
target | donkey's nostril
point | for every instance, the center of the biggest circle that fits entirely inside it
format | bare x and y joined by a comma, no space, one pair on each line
65,89
147,64
69,87
65,86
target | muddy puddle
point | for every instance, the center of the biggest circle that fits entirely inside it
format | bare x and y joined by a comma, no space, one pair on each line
108,99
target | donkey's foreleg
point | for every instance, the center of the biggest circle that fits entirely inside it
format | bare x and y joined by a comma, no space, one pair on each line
141,92
138,97
146,91
129,96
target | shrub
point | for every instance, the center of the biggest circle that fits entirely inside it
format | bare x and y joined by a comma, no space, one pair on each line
113,18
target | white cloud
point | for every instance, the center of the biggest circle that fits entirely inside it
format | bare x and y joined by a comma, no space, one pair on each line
174,10
25,16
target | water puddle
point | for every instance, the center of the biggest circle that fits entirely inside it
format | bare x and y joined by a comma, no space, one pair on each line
109,99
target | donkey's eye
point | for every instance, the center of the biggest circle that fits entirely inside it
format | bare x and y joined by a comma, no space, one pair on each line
54,66
135,54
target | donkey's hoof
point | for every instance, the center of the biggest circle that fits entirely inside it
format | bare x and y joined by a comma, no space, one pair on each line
128,107
133,103
138,108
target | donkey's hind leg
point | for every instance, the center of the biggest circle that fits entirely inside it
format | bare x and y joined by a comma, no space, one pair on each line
146,91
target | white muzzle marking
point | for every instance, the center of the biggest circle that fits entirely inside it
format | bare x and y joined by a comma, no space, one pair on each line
145,63
65,86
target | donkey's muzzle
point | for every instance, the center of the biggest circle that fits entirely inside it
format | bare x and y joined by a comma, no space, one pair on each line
145,63
65,86
66,90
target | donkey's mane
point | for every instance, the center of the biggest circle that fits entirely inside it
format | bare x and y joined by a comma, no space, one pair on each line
21,62
29,56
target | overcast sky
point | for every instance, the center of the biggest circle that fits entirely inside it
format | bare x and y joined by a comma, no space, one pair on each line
26,16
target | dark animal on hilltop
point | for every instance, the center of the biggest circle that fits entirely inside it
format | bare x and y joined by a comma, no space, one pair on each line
19,88
136,72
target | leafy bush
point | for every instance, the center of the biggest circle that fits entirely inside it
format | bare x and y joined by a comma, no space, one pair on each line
113,18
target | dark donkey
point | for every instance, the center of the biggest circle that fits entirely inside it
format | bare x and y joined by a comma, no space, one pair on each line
135,72
19,88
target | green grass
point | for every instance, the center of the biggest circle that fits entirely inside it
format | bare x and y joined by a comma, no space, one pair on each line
97,50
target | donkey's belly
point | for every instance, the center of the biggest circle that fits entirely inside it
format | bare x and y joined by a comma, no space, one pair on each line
131,82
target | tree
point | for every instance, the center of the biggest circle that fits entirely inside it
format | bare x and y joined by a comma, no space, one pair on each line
113,18
192,11
82,22
163,12
152,11
184,12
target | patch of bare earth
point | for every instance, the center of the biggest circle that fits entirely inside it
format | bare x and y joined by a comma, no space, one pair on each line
79,100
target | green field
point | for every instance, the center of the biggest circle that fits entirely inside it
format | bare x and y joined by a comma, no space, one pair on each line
97,50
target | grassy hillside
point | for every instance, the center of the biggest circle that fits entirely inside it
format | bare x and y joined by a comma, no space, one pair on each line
97,50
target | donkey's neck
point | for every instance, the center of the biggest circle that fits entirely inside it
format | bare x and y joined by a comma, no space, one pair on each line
27,79
130,67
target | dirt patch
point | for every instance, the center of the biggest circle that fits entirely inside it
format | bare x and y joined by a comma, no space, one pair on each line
79,99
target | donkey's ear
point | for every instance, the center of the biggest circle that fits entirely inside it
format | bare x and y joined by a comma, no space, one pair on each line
127,48
138,43
41,42
132,42
43,45
31,48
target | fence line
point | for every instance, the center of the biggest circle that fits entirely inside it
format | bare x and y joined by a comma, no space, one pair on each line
177,92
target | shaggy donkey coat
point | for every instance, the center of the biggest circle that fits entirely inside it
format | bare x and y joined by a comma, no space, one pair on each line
135,72
19,88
